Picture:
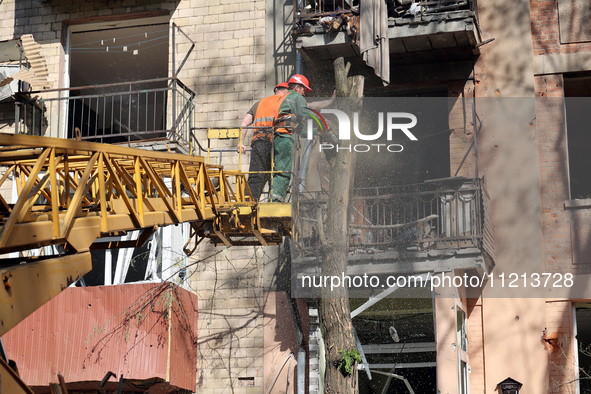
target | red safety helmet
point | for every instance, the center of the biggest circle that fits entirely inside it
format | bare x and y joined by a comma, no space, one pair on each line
301,80
282,85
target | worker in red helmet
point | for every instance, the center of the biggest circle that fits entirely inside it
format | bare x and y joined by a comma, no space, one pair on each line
261,116
300,81
281,88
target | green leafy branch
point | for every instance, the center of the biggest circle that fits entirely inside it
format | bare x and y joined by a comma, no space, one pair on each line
350,358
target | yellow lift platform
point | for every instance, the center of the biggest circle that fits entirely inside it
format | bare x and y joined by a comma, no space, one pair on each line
73,193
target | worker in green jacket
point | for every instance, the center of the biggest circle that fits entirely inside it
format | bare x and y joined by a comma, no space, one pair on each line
288,122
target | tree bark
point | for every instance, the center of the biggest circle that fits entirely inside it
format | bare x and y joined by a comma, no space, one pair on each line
335,314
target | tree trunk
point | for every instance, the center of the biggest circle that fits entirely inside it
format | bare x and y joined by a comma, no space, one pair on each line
335,314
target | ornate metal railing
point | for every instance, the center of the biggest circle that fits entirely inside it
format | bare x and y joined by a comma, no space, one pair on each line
333,13
443,214
118,112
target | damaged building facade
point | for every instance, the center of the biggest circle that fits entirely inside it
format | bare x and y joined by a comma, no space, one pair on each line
496,184
500,169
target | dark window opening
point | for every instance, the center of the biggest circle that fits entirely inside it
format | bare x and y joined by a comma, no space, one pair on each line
101,108
136,271
577,92
421,160
398,336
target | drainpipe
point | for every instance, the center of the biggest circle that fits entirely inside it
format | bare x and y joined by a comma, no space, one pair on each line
174,76
309,144
302,356
305,163
278,372
476,127
301,370
299,62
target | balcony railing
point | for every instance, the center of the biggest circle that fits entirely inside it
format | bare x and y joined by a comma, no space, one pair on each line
113,113
446,214
332,13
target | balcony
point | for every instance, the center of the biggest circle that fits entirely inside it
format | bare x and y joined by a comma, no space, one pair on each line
437,225
144,333
156,112
327,29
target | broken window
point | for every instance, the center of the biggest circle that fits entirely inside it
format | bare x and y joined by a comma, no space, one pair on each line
157,260
583,336
463,377
425,159
103,57
398,339
462,338
462,348
577,92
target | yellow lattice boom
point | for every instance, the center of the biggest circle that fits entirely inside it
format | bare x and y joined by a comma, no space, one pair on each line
72,193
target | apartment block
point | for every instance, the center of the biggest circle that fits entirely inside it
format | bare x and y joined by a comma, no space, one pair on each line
493,189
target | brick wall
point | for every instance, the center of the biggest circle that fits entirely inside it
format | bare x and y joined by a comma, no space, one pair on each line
462,130
227,71
475,345
230,333
553,162
558,341
229,66
44,23
552,149
545,30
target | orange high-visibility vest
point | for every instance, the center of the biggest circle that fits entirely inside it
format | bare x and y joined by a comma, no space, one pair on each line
267,110
287,122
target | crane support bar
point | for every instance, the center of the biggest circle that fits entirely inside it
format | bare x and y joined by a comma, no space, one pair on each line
10,382
72,193
26,287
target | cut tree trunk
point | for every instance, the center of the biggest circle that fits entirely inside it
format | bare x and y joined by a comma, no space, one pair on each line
335,314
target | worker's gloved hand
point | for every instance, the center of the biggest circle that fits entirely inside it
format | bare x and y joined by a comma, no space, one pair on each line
241,148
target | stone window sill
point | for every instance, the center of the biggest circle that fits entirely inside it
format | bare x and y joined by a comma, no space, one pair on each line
584,203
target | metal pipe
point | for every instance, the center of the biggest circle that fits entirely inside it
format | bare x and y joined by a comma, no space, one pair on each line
278,372
301,370
305,164
108,85
372,301
362,353
393,375
104,381
475,117
17,116
129,114
173,86
288,375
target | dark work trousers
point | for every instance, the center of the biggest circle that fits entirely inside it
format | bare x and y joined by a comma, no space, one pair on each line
260,160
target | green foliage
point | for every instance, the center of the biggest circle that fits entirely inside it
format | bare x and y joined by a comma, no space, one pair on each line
350,357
